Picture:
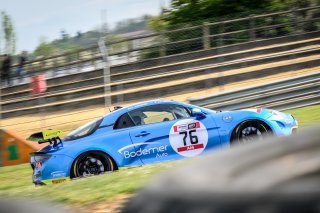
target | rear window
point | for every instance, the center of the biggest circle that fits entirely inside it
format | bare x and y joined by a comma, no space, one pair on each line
123,122
84,130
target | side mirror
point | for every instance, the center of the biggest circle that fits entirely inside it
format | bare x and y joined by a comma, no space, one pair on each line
196,112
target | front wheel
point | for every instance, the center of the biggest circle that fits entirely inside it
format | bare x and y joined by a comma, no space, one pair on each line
250,131
91,163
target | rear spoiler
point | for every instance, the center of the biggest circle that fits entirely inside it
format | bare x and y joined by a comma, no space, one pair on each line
51,136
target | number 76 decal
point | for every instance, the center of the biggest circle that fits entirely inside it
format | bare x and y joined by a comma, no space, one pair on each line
188,137
193,138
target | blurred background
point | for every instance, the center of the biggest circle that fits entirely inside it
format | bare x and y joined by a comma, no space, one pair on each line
183,50
66,63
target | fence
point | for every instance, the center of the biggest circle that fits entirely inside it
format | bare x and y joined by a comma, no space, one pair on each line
282,95
205,36
196,74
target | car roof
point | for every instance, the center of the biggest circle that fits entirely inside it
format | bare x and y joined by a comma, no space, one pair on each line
115,114
149,103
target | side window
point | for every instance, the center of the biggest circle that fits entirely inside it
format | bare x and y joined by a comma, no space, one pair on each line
181,112
158,113
123,122
155,117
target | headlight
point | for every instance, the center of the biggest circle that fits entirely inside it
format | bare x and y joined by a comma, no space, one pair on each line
284,118
276,115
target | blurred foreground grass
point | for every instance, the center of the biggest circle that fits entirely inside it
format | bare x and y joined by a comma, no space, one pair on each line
15,181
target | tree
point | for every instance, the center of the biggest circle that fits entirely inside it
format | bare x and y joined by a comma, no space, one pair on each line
156,23
64,35
186,11
44,48
131,25
9,34
79,34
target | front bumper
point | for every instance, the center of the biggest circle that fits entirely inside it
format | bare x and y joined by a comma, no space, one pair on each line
282,128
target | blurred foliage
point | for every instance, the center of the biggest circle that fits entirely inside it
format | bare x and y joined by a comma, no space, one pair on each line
69,44
191,11
156,23
7,29
45,49
150,53
131,25
89,39
188,13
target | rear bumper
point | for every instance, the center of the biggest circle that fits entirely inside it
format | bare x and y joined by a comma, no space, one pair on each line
54,170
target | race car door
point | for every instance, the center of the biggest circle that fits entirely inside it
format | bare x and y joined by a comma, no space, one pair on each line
168,132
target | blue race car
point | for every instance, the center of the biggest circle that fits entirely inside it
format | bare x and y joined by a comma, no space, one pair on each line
149,132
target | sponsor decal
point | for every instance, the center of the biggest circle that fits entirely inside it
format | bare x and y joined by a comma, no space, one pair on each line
188,137
51,133
159,150
57,174
55,181
227,118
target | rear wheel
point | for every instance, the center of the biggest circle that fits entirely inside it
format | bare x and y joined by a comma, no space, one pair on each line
250,131
92,163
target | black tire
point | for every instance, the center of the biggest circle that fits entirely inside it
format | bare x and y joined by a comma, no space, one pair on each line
92,163
250,131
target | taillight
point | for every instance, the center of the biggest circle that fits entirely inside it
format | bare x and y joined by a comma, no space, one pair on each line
41,158
38,165
37,159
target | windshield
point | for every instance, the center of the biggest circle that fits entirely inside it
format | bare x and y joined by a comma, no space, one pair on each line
84,130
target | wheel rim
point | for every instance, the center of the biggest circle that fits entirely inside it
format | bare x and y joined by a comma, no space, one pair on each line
90,166
250,134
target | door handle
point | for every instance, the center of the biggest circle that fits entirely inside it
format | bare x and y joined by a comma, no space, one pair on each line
143,133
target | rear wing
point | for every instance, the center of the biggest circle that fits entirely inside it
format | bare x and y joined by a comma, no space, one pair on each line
51,136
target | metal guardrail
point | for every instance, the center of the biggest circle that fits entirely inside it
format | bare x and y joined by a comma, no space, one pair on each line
134,82
85,95
285,94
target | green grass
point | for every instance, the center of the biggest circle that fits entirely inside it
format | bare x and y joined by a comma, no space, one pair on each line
15,181
306,116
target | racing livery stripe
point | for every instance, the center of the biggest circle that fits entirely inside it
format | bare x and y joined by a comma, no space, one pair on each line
191,147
